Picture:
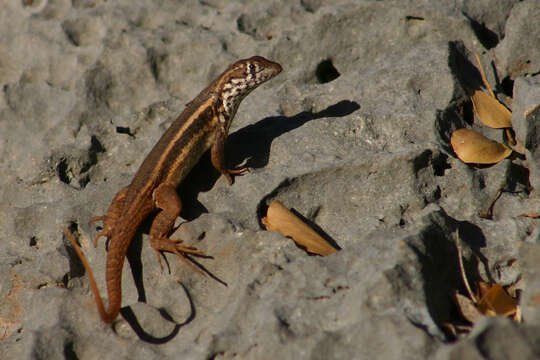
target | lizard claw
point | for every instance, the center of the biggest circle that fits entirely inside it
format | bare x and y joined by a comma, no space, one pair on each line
159,254
236,171
186,248
96,218
162,245
105,234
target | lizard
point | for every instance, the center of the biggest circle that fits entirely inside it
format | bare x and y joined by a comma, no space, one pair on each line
202,126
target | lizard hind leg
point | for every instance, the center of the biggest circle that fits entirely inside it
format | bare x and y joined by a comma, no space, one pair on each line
166,198
113,213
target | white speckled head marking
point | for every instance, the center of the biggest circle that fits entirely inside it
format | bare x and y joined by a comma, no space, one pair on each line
240,79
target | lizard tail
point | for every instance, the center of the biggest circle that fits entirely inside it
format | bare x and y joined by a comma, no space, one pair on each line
107,317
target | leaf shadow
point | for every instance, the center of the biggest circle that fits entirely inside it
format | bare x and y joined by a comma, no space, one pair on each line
459,112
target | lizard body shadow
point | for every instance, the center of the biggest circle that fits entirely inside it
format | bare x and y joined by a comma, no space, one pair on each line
134,256
252,143
131,319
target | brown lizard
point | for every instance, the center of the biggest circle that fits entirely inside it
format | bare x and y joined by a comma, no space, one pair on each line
204,124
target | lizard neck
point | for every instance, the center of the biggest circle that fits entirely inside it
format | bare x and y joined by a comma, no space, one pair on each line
227,106
237,82
229,100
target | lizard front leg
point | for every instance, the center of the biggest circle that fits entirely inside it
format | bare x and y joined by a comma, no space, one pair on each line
167,200
217,154
113,213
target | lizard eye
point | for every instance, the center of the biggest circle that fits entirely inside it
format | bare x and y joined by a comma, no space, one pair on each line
251,68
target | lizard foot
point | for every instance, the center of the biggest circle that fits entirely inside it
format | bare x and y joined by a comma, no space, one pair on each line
106,231
161,245
111,219
236,172
96,218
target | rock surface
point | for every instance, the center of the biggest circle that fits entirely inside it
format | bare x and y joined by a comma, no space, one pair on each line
354,135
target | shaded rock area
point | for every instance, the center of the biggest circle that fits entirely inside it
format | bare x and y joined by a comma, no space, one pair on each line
353,134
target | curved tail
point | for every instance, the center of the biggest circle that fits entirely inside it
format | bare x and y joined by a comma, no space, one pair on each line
109,315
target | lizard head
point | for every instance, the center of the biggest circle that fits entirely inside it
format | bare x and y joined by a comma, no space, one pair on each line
242,77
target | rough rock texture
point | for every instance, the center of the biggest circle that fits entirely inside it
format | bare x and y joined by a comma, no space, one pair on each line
354,135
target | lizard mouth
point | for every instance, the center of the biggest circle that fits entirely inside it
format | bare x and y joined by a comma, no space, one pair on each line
264,70
266,67
274,68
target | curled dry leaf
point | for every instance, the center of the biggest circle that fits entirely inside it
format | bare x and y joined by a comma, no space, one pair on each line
282,219
488,214
467,308
490,111
489,299
531,215
496,301
472,147
12,321
484,79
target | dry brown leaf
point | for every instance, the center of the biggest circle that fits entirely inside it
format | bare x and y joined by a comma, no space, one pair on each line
490,111
488,214
467,308
518,316
451,329
457,330
12,322
472,147
531,215
494,299
282,219
482,288
484,79
457,242
497,302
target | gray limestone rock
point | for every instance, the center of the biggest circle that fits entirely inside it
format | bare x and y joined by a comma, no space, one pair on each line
518,53
353,135
526,123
